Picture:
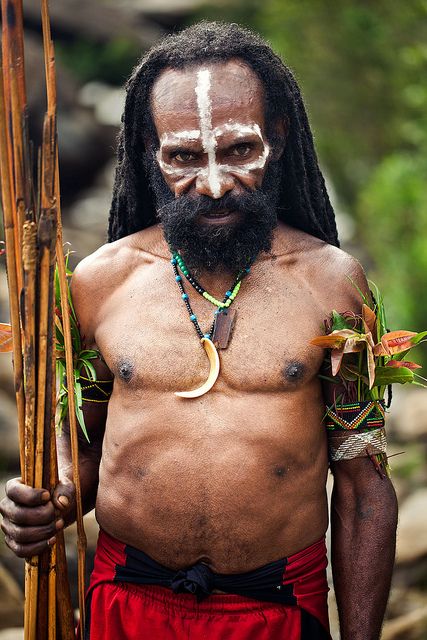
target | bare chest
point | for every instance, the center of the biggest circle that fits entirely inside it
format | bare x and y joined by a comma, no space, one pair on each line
149,342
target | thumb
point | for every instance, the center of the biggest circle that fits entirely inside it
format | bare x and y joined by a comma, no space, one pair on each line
64,496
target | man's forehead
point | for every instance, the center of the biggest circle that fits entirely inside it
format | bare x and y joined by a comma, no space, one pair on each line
233,86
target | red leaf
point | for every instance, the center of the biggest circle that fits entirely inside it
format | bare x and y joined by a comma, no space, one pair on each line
403,363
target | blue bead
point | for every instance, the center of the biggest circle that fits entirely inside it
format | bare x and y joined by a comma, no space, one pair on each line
207,335
228,293
178,278
247,269
193,318
217,312
185,296
173,261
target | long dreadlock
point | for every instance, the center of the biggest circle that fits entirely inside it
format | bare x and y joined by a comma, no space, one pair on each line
304,202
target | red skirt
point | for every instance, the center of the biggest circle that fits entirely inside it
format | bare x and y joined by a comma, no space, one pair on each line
119,610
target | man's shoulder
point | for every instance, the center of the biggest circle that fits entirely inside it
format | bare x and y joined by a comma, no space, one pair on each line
328,270
98,276
114,260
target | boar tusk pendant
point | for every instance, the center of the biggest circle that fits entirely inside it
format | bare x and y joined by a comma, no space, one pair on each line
213,356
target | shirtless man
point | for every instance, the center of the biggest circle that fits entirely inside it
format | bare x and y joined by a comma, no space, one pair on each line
190,492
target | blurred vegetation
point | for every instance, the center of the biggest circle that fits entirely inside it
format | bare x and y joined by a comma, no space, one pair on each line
362,68
109,62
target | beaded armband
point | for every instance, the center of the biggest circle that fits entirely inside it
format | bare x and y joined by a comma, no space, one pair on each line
356,431
96,390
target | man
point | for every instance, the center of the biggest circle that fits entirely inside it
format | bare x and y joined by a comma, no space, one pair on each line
212,501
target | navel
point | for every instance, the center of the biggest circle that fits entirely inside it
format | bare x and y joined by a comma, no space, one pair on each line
294,372
125,370
279,471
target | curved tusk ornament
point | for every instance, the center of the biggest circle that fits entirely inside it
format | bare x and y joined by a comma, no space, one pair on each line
213,356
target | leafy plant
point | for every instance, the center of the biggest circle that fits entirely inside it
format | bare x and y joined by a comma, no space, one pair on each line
365,358
81,357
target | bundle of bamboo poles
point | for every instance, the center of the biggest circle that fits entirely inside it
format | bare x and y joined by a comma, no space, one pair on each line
34,248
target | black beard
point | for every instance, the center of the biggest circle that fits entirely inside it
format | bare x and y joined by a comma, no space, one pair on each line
206,246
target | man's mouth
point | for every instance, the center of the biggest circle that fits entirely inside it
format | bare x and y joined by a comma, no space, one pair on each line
223,216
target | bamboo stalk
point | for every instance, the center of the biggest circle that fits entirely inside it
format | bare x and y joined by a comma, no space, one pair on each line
9,26
8,21
46,593
51,108
9,229
29,255
53,470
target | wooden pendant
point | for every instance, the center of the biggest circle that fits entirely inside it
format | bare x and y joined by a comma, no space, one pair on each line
224,323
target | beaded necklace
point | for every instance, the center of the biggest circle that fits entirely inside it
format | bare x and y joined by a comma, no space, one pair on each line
221,311
229,295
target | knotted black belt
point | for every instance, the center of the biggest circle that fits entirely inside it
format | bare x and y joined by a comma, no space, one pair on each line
264,583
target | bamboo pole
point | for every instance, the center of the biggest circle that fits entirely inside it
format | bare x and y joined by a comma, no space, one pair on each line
47,594
29,255
12,270
8,21
65,311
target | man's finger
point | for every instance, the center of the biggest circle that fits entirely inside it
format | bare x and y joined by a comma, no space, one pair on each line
25,495
64,496
28,550
30,535
27,516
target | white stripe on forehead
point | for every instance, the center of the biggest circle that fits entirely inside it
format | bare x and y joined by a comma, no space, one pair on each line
204,106
188,136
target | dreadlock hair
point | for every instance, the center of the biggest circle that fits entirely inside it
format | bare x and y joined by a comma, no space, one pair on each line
303,203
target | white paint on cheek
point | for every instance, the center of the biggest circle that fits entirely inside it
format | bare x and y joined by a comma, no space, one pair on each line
208,138
244,130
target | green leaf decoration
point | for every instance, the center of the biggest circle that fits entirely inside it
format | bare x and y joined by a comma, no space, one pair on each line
386,375
81,357
367,378
339,322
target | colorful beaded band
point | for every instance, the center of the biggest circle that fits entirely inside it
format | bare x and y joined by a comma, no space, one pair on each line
357,416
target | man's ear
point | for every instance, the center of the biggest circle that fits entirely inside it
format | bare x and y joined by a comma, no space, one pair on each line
281,129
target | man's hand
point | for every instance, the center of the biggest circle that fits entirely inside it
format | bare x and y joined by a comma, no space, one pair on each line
32,517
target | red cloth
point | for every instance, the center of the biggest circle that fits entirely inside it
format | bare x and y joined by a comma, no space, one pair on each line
123,611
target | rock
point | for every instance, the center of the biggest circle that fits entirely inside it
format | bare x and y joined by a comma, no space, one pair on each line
12,634
11,601
411,533
107,101
411,626
408,417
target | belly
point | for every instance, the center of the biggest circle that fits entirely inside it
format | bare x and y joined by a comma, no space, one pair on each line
236,495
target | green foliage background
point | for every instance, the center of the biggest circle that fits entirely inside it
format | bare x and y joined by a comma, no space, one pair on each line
362,67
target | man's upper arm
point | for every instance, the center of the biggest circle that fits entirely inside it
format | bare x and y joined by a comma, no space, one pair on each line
86,294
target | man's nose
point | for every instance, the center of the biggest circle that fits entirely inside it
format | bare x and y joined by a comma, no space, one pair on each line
214,184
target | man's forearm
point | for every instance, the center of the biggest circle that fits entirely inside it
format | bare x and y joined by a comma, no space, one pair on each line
89,458
364,522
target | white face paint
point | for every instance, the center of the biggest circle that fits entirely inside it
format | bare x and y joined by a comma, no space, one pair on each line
208,136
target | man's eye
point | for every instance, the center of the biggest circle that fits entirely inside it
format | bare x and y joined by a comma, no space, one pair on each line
183,156
241,150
